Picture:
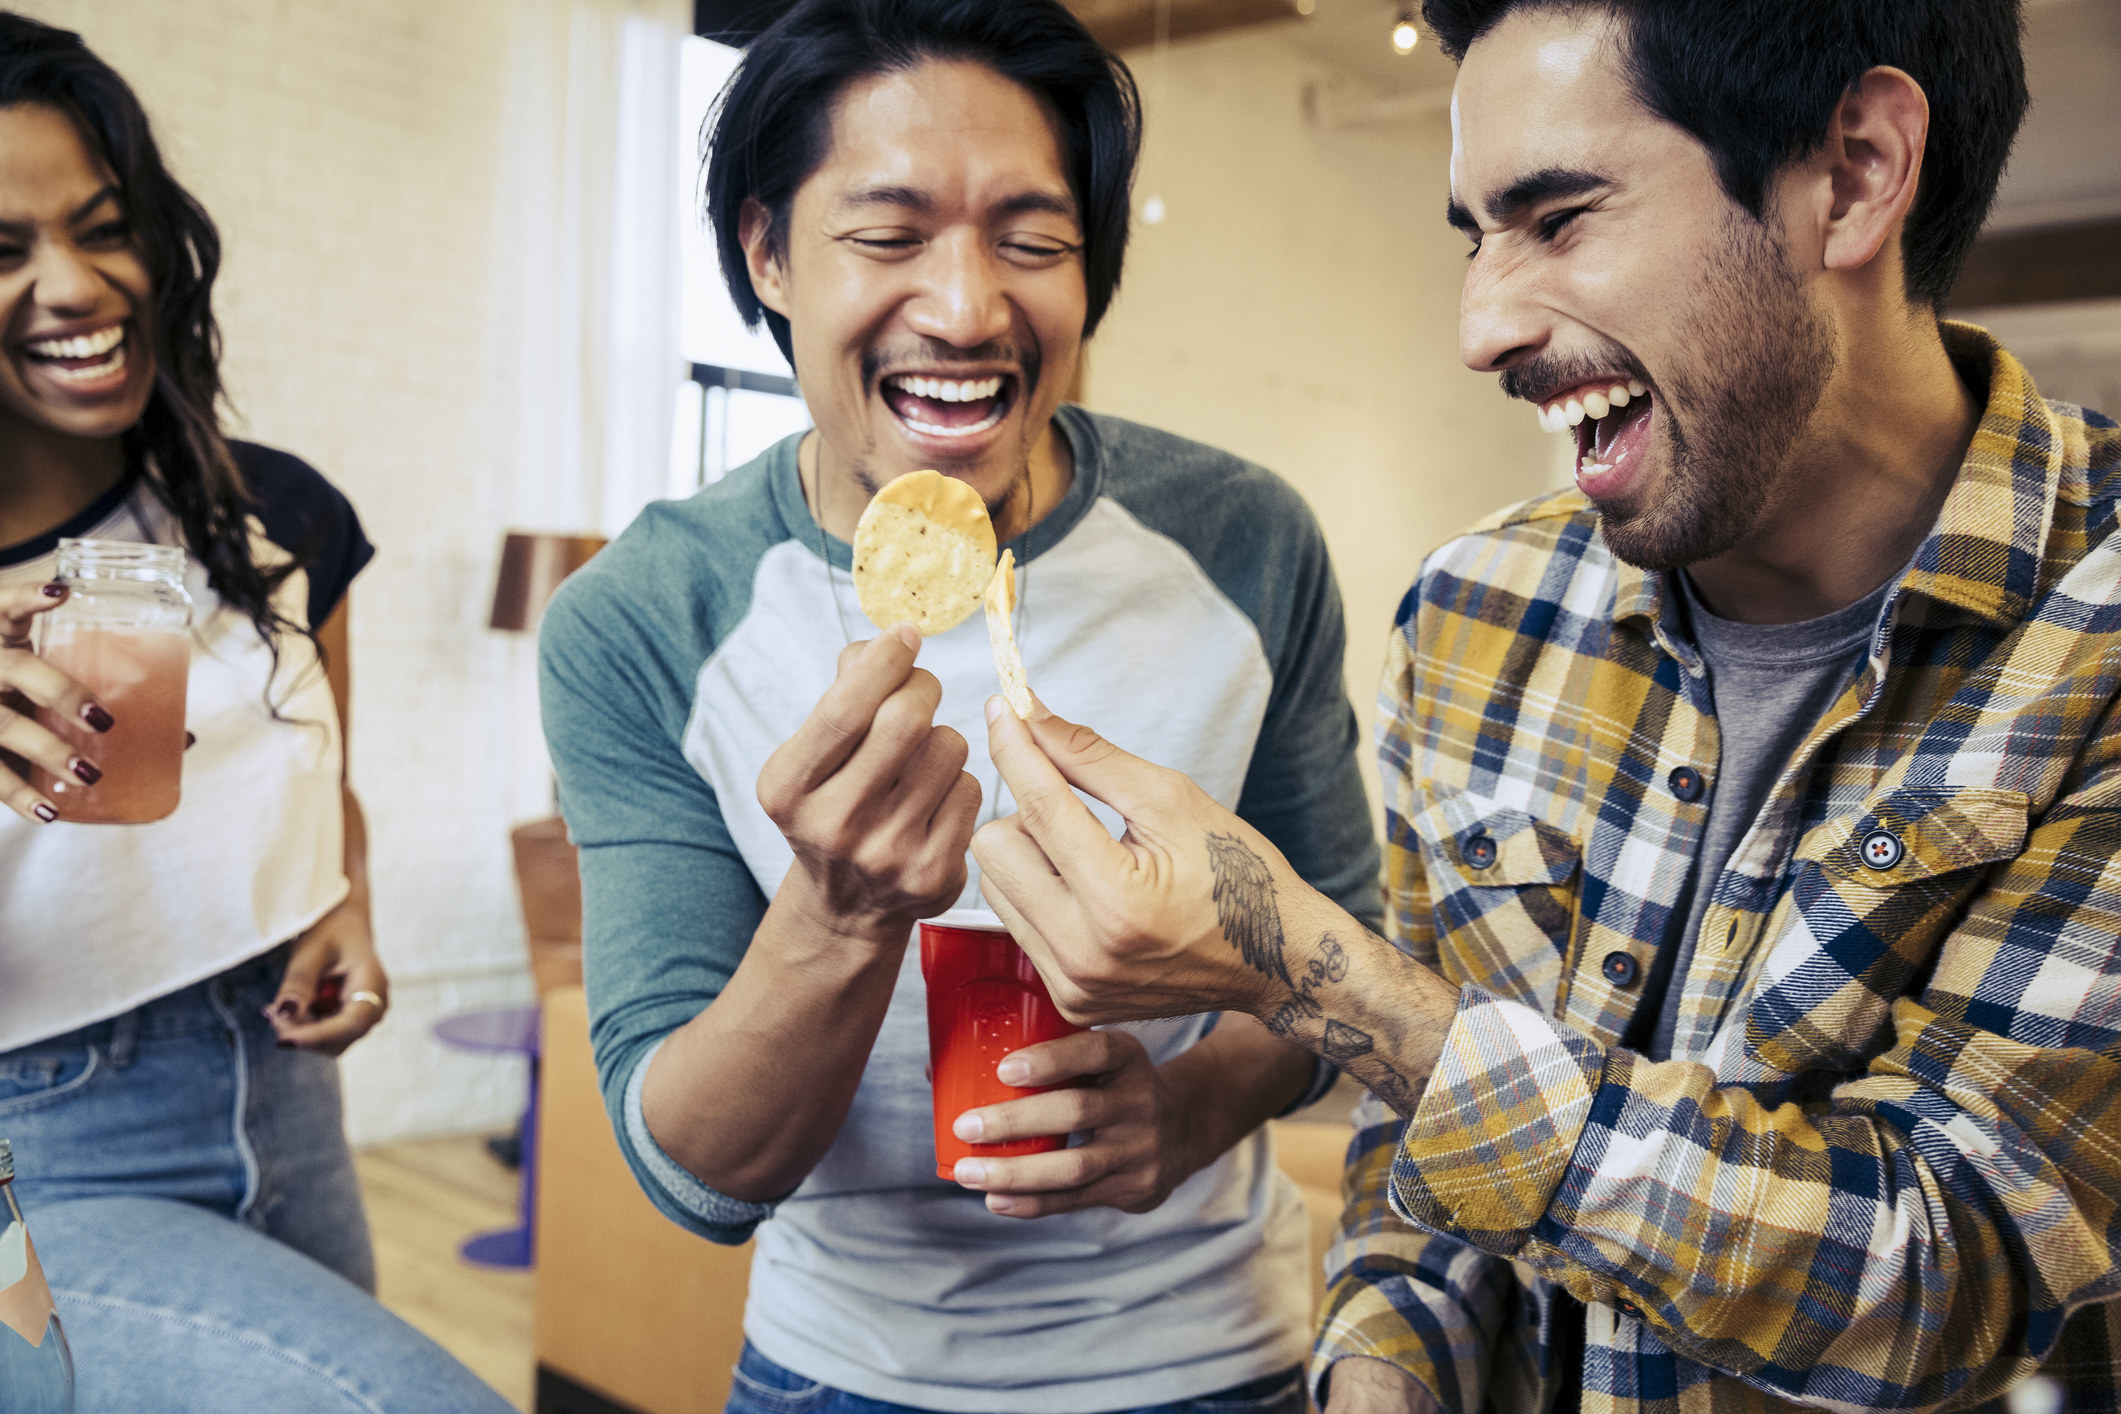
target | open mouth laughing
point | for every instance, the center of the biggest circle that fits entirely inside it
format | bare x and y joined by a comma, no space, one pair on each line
1610,418
82,361
949,409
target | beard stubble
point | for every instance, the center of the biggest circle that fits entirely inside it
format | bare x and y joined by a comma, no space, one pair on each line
1761,360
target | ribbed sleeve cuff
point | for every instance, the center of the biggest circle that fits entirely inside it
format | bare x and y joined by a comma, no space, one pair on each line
731,1218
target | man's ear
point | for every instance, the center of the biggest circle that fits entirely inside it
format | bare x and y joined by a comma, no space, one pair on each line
1871,166
768,281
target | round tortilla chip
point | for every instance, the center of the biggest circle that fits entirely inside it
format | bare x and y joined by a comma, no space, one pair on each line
923,553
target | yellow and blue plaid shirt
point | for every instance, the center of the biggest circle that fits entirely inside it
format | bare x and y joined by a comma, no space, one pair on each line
1882,1168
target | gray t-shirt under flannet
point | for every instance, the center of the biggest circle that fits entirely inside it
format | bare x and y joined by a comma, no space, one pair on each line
1771,683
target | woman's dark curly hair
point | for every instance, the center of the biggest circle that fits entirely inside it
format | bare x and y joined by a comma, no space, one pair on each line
177,443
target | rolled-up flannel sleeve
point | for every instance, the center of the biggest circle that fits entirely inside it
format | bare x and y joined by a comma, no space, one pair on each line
1913,1240
1430,1305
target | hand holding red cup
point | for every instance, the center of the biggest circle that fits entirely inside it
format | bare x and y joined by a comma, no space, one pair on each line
985,1001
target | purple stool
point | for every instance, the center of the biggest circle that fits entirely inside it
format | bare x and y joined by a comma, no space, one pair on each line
509,1031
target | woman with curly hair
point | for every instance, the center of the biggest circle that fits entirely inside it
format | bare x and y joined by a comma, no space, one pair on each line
173,995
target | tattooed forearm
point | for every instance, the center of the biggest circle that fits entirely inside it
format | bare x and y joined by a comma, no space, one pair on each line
1344,1043
1331,965
1367,1055
1392,1058
1355,1051
1246,908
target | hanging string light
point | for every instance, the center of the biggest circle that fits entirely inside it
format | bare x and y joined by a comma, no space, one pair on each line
1152,208
1404,34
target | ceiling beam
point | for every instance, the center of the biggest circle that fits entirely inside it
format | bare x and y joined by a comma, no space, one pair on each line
2040,267
1118,24
1125,24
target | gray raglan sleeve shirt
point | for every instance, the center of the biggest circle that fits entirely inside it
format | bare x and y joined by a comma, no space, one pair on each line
669,903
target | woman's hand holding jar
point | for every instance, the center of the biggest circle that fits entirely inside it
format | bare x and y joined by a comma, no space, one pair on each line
28,682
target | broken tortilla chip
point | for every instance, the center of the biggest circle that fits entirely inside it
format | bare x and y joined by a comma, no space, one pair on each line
923,551
1008,663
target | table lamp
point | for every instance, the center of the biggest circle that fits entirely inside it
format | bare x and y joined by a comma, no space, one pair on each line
532,566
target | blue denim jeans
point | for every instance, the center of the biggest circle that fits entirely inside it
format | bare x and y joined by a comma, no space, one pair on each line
762,1387
190,1192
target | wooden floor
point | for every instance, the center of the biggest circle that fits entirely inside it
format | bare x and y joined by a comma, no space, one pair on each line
423,1199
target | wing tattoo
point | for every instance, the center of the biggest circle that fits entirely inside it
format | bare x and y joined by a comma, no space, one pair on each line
1244,905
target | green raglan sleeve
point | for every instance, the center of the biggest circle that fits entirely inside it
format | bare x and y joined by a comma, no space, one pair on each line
668,904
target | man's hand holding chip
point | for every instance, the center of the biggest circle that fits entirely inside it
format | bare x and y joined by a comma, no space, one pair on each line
1191,910
873,796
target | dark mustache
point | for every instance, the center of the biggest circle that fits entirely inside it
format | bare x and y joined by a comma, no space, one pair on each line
1537,380
1025,360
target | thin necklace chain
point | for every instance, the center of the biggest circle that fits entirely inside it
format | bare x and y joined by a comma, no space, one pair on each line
1020,627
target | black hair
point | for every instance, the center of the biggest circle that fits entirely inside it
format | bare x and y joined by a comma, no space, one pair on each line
771,128
177,443
1757,81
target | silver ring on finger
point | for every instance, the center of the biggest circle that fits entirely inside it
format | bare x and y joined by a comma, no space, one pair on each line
371,998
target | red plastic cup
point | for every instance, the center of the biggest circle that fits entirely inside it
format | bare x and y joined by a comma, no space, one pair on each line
985,1000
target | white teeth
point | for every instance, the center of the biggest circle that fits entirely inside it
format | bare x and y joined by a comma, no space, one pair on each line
80,346
90,372
949,390
1571,412
930,429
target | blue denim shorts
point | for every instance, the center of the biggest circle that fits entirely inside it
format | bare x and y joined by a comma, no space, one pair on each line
189,1188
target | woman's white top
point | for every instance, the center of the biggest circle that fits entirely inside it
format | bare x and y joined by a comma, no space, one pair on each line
97,919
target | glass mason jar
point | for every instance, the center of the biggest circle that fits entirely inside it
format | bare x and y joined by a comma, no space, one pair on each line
124,633
36,1368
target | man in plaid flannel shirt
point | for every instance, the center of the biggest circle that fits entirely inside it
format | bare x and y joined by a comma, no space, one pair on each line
1754,1037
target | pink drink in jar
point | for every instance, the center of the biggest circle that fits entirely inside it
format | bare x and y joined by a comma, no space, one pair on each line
124,633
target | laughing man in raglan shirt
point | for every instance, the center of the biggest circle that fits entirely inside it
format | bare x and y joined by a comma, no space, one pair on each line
926,201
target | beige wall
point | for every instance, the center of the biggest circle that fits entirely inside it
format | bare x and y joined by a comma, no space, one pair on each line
349,155
1298,305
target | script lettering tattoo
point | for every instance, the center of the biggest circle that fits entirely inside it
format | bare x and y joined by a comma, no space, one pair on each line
1245,907
1297,1008
1331,965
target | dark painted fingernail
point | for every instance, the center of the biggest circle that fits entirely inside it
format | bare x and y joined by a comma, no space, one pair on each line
85,770
190,741
285,1045
96,717
53,589
44,812
287,1008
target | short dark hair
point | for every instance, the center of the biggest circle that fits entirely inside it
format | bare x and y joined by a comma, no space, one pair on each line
771,127
1757,81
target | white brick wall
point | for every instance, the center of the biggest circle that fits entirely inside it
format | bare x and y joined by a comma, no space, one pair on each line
352,156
